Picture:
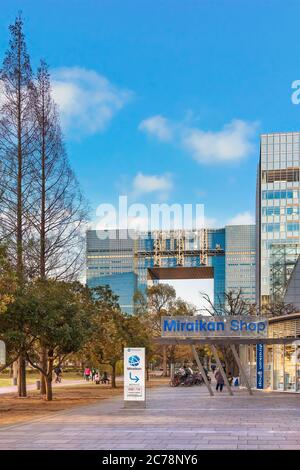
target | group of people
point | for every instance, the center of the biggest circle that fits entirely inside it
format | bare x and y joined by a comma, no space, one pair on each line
95,376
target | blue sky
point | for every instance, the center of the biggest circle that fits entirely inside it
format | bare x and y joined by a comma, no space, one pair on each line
165,100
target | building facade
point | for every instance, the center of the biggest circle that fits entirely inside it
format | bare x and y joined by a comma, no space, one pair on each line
110,261
240,256
281,362
123,263
277,214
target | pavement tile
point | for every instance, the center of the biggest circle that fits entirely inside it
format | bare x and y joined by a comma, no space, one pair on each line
185,418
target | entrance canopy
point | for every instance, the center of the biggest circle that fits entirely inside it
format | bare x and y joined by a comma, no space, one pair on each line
214,341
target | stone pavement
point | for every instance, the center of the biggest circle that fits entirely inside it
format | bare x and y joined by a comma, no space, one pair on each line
175,418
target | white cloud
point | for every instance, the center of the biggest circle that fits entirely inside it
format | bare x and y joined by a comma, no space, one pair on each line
143,184
233,142
87,100
243,218
158,126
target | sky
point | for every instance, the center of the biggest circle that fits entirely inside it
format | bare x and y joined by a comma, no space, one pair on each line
164,101
191,291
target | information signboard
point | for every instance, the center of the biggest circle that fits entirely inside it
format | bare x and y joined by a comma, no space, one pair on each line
134,374
260,366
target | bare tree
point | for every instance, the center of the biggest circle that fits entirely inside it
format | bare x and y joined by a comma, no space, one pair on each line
277,309
58,214
16,147
234,305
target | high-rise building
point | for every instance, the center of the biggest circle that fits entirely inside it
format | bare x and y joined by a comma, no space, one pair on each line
124,264
277,214
110,261
240,260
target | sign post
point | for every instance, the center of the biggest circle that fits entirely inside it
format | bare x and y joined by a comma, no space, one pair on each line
134,378
260,366
2,353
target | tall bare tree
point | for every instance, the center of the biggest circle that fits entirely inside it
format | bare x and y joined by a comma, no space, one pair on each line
16,147
58,212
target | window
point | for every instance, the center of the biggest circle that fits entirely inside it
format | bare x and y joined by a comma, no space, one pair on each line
286,174
271,211
293,227
278,194
270,227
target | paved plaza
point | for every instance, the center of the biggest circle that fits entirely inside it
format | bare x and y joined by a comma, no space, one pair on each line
175,418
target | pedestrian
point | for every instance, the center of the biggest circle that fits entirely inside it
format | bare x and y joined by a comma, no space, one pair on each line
220,380
104,378
87,373
57,372
97,378
93,372
230,378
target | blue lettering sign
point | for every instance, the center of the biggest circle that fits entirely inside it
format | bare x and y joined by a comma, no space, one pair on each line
260,366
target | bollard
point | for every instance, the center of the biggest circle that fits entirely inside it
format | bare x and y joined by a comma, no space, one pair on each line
38,385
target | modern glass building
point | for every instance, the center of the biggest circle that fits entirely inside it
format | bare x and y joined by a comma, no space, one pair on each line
240,260
184,249
277,214
110,261
123,263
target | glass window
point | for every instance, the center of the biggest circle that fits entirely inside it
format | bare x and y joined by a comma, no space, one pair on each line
278,381
290,367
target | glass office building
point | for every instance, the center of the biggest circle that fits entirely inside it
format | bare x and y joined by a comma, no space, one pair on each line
110,261
240,260
174,249
123,263
277,214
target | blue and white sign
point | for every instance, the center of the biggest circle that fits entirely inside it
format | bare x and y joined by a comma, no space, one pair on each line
134,374
210,327
260,366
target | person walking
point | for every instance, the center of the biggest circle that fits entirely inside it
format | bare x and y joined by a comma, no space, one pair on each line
87,373
220,380
57,372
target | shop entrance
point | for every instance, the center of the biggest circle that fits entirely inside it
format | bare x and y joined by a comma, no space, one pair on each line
212,343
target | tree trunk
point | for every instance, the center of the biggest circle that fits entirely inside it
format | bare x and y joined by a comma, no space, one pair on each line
113,376
165,366
22,377
43,360
49,393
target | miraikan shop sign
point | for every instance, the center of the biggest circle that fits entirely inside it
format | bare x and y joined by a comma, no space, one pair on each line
212,327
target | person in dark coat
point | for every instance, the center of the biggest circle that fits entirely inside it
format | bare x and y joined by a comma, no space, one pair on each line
220,380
